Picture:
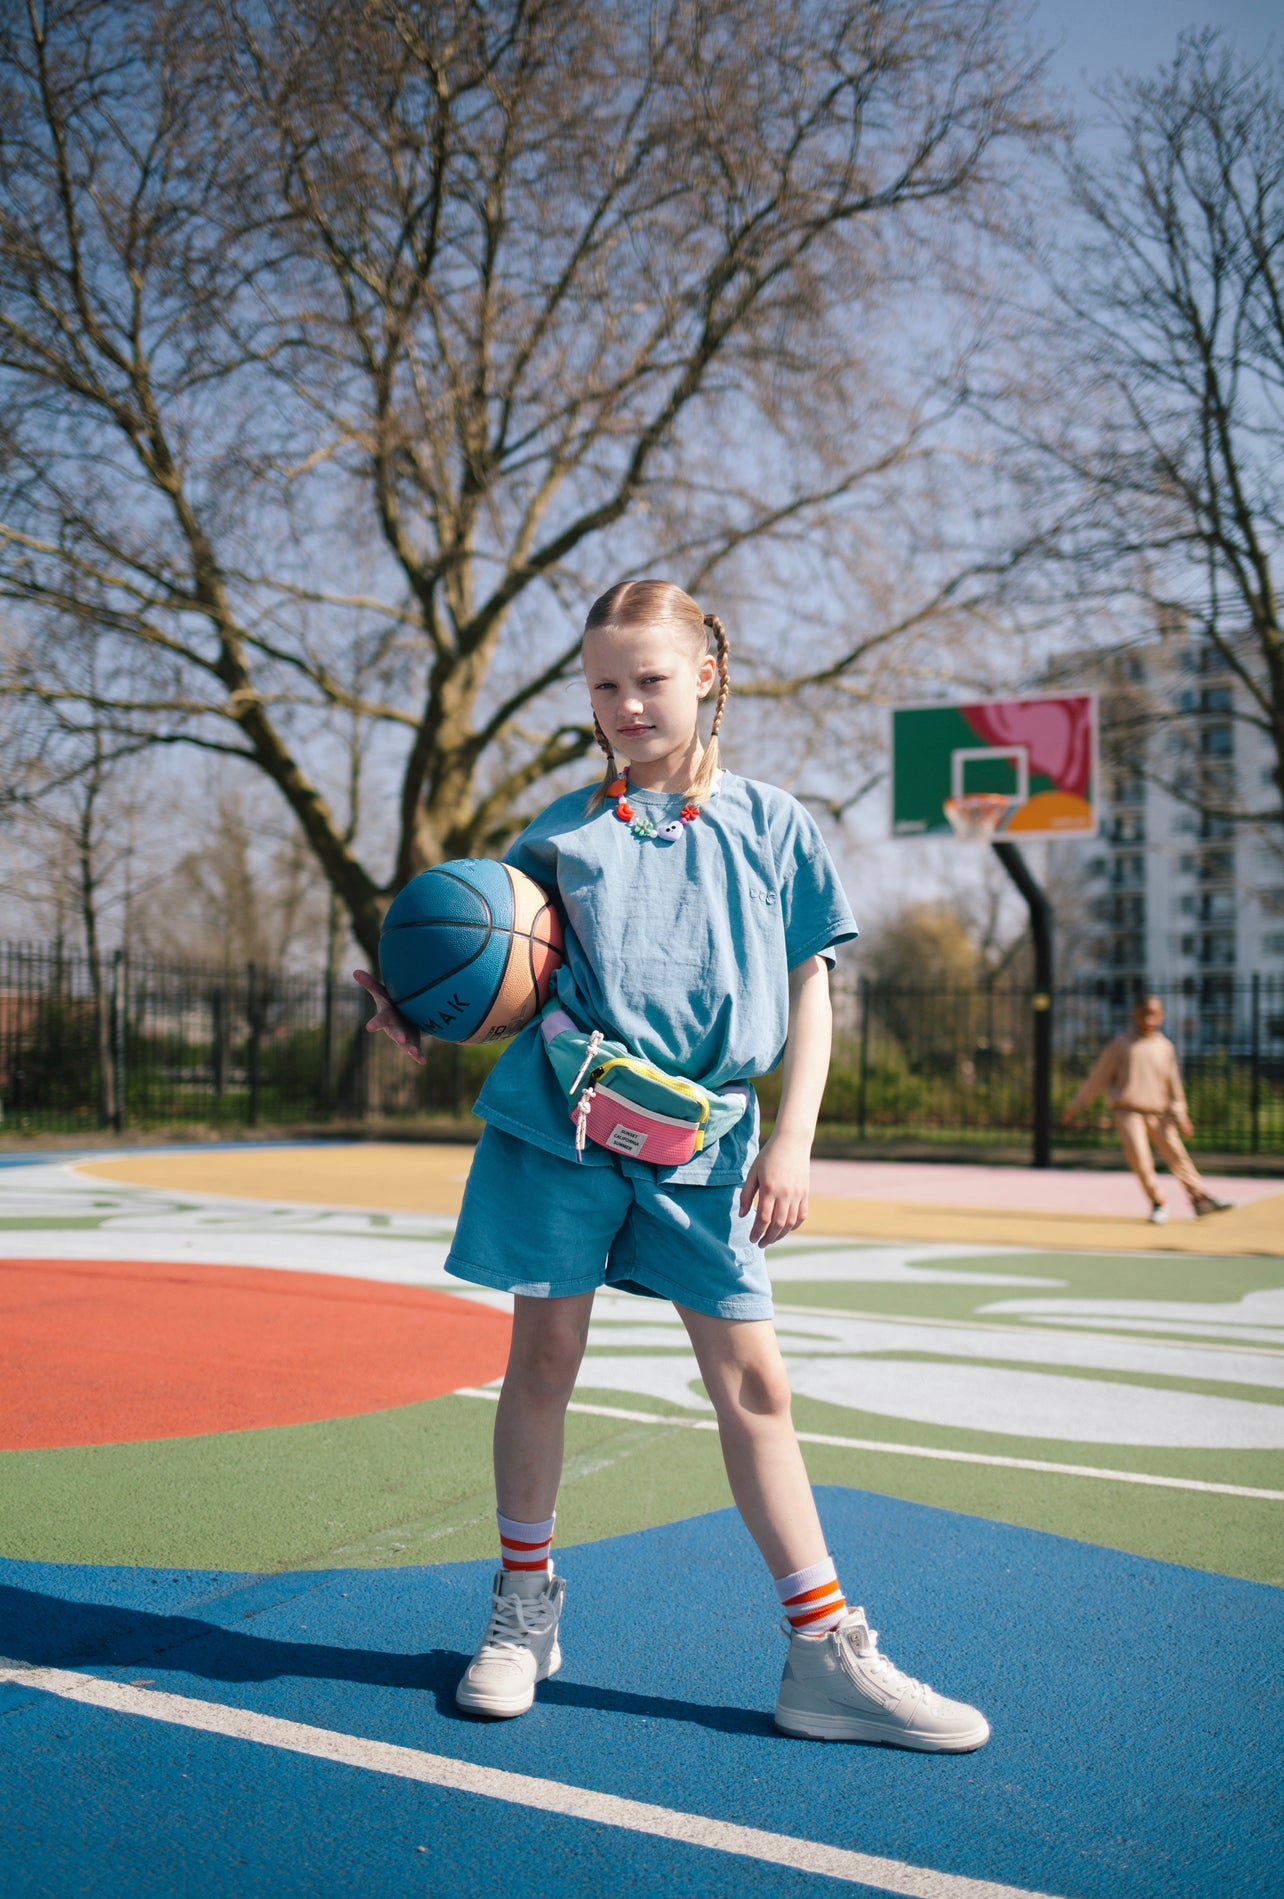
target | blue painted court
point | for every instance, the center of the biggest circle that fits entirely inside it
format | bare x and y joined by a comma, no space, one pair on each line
1137,1734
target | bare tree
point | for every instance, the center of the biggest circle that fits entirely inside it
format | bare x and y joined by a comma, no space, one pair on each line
383,327
61,805
1169,338
236,897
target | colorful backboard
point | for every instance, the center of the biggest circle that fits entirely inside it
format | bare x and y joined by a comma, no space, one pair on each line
1002,767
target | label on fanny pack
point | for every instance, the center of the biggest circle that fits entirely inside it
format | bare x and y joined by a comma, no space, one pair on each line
625,1140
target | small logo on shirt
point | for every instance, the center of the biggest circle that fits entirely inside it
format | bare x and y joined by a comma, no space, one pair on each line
762,894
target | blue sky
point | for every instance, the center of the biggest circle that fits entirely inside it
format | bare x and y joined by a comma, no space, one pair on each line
1095,38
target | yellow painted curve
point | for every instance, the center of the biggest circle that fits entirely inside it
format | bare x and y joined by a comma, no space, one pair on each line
392,1177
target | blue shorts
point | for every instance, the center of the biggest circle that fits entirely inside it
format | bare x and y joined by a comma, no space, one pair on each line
549,1228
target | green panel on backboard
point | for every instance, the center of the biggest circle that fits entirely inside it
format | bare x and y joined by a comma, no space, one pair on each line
1029,764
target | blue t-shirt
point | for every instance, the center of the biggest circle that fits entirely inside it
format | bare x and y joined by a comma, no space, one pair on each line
681,951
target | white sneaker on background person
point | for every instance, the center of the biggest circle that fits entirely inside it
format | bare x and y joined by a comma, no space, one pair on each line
1159,1214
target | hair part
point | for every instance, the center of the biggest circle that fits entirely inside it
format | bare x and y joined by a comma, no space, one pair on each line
661,604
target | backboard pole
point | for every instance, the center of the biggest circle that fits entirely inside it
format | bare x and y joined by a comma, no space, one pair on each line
1041,930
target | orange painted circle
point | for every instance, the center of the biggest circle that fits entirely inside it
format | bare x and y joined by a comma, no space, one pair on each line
105,1352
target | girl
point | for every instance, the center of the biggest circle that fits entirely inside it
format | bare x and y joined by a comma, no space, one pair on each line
702,911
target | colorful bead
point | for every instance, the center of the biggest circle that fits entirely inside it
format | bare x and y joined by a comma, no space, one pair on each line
644,828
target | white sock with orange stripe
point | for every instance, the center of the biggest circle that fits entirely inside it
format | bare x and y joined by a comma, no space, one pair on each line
526,1548
812,1599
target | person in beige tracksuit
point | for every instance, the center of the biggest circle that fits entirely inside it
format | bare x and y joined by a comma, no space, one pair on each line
1140,1077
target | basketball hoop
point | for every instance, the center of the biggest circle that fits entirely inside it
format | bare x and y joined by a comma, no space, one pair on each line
977,816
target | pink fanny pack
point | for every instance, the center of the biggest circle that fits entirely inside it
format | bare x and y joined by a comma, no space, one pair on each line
621,1102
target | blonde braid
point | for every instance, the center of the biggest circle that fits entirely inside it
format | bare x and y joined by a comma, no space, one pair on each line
711,757
612,769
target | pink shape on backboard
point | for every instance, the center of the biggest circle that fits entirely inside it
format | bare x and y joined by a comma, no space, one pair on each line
1056,733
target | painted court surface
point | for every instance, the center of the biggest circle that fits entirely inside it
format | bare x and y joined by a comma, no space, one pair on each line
247,1533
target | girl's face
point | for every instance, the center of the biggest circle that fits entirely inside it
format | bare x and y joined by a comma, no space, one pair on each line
646,686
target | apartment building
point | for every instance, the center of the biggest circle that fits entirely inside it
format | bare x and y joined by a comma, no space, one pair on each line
1177,895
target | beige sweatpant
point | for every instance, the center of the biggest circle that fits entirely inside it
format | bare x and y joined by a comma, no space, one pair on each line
1137,1131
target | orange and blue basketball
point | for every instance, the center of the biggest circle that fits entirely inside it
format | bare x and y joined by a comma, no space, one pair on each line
468,950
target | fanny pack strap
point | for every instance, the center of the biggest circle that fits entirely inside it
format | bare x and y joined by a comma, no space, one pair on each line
557,1022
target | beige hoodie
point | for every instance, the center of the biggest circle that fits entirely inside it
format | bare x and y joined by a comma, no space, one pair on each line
1139,1072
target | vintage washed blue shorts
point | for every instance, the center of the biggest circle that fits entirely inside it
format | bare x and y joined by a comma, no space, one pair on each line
549,1228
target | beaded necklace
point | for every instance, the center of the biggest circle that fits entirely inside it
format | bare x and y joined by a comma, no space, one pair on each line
642,827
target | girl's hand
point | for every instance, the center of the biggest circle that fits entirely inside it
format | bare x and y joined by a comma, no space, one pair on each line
779,1179
397,1027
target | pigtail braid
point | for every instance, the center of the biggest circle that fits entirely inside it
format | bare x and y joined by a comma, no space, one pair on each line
612,771
711,758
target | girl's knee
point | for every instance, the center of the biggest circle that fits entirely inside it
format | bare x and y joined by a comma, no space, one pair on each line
754,1388
547,1348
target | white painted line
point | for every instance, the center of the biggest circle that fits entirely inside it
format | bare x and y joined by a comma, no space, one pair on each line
521,1790
922,1450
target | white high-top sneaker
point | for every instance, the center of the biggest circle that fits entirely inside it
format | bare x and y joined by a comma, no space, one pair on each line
837,1687
519,1648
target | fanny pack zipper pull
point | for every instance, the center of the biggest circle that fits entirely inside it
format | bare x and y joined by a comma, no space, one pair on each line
582,1107
595,1043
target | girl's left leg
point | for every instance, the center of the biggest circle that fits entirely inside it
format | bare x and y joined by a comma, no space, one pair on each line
836,1686
745,1377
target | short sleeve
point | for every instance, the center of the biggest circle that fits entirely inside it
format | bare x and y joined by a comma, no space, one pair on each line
814,906
534,851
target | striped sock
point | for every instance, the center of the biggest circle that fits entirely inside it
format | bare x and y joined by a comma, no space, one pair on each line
812,1599
525,1546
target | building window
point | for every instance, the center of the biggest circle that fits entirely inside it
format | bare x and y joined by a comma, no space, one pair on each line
1215,699
1273,943
1218,741
1217,949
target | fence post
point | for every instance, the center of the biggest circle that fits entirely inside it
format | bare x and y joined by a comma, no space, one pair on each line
1256,1079
862,988
1041,925
252,1013
218,1031
327,1043
119,1010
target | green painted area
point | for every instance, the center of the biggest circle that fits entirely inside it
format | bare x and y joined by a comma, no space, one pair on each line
405,1486
55,1223
1173,1278
413,1485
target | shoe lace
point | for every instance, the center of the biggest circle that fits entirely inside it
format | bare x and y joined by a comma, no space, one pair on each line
881,1666
513,1620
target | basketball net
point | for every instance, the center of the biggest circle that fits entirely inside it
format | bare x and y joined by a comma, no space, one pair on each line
977,816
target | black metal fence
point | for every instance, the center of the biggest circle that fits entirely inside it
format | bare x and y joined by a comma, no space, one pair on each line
143,1044
957,1063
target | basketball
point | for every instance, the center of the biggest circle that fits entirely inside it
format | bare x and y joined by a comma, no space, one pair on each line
468,950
